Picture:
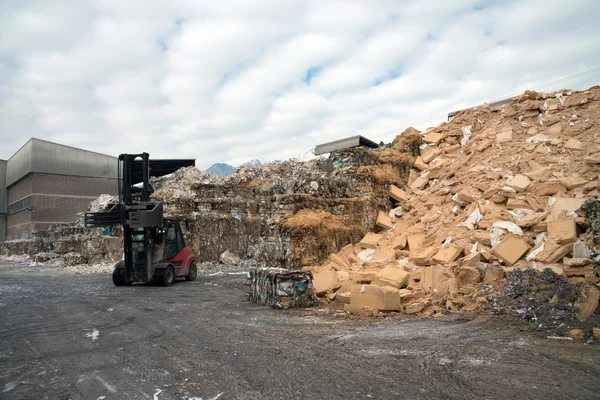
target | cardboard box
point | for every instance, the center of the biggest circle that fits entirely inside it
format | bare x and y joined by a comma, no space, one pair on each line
510,249
562,231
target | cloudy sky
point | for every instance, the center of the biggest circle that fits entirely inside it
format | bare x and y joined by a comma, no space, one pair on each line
230,81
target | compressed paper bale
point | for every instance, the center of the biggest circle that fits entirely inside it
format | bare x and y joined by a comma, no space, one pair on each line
587,302
414,307
420,182
467,276
447,254
415,241
471,260
325,282
419,164
510,249
382,298
438,278
384,221
408,296
422,256
573,144
518,182
562,231
398,242
393,276
549,189
433,137
370,240
383,254
565,204
553,252
504,136
398,194
493,275
360,309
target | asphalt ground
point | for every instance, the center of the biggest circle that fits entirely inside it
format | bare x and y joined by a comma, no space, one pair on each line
73,336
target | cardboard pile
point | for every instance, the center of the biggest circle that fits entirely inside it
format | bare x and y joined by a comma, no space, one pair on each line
492,191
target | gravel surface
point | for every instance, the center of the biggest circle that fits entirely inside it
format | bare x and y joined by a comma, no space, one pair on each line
76,336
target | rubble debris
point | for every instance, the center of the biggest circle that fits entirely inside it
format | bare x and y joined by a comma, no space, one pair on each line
497,207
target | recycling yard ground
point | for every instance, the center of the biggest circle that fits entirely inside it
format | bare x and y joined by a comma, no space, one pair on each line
76,336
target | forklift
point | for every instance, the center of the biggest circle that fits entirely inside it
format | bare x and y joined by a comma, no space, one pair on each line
154,250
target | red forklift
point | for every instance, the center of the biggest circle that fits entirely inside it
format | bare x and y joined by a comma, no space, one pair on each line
153,247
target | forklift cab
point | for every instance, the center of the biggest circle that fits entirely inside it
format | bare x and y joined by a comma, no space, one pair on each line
168,253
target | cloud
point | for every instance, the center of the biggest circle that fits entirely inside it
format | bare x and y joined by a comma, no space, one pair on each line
234,81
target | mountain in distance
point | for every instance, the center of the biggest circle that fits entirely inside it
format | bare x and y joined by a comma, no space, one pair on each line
255,163
222,169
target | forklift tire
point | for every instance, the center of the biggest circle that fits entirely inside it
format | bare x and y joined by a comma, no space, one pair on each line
117,278
167,276
192,273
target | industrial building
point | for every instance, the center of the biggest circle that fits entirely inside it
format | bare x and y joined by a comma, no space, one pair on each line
46,183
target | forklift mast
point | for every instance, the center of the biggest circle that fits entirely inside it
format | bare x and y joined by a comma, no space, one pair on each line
134,212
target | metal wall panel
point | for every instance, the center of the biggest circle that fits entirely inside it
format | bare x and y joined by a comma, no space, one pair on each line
3,191
52,158
19,164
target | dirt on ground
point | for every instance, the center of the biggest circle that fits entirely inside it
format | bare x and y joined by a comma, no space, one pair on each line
76,336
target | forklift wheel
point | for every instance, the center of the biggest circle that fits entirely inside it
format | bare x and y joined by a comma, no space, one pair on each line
117,277
168,276
192,273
